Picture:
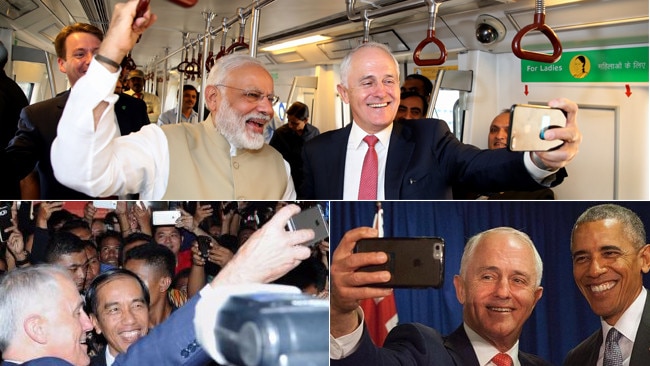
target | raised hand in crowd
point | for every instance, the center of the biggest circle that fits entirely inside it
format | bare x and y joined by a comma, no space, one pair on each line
45,212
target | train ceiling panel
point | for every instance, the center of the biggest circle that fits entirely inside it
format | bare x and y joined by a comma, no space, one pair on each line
578,21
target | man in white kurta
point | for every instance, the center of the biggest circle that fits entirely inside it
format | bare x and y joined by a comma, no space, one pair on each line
222,158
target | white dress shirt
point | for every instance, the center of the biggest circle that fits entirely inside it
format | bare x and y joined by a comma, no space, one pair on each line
97,160
627,325
356,151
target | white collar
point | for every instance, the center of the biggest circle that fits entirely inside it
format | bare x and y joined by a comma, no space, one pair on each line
485,351
357,134
628,324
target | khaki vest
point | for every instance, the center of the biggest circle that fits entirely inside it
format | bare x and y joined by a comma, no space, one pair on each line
201,168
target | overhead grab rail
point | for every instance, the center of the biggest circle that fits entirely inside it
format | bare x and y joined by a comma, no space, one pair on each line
224,38
355,16
366,26
242,30
183,65
209,60
431,38
539,25
247,11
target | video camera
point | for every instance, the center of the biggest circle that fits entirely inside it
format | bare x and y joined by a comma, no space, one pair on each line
272,329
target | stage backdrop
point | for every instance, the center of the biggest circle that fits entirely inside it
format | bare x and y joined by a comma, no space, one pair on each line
561,319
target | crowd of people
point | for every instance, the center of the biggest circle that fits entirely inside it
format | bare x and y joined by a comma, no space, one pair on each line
123,263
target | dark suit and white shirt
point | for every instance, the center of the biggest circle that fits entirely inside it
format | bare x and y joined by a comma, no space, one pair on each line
417,159
634,325
417,344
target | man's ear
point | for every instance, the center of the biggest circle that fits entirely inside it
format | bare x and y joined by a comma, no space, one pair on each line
460,289
343,92
35,326
164,283
61,63
98,328
212,97
644,253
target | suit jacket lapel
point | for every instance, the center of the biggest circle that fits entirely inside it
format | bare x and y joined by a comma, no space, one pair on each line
641,350
461,349
399,155
336,161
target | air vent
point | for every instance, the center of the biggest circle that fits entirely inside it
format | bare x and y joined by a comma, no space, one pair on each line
14,9
50,32
338,48
97,14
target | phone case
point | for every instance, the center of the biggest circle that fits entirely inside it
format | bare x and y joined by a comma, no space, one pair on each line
528,124
165,217
412,262
111,205
311,218
5,220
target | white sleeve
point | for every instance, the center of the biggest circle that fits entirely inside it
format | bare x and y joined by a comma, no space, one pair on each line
539,175
346,345
98,162
290,191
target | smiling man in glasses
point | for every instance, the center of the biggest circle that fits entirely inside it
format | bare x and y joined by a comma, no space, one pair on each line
221,158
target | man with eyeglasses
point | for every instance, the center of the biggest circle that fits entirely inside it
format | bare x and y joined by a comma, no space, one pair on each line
221,158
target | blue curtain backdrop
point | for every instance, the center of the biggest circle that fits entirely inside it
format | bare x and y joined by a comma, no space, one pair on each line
561,319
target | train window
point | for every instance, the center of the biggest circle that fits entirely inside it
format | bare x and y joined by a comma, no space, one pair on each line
28,89
444,108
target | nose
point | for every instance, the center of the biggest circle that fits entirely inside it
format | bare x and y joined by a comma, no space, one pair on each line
88,56
503,288
502,134
84,320
596,268
128,317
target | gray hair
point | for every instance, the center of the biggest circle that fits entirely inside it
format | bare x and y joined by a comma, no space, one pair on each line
473,242
632,224
345,64
26,290
225,65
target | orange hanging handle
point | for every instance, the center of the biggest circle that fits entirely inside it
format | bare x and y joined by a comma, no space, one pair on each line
431,38
539,25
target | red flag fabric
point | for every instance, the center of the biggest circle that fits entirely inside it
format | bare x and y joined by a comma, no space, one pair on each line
380,314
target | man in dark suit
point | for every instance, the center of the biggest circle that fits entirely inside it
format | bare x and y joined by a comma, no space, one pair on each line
498,286
30,149
610,256
416,160
12,100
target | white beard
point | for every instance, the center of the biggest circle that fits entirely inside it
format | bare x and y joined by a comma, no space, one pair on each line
233,127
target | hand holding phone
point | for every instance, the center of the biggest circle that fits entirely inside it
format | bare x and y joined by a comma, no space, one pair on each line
528,124
412,262
311,218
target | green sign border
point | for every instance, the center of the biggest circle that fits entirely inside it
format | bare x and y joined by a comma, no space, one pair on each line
615,65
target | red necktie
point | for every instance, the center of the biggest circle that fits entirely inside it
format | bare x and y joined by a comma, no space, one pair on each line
368,183
502,359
